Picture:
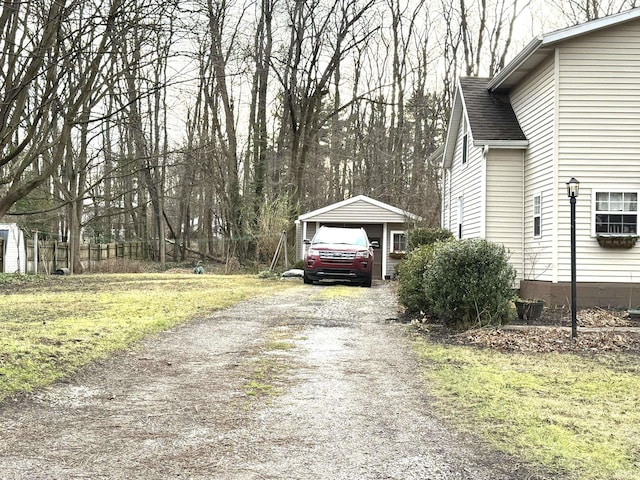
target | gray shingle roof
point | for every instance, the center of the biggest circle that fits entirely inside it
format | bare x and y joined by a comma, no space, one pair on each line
491,117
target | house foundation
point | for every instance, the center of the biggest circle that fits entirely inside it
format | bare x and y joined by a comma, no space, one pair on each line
588,294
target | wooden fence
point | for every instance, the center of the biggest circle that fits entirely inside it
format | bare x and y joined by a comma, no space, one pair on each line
54,256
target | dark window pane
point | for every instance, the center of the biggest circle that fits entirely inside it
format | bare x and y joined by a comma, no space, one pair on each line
606,223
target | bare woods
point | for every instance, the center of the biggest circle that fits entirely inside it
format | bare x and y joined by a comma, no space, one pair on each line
214,123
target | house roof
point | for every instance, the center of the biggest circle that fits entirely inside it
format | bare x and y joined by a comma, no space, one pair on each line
490,115
485,103
491,119
352,200
542,46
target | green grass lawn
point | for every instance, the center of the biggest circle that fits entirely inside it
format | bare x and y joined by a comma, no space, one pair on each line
574,414
51,326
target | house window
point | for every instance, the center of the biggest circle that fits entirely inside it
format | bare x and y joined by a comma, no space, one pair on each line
616,212
464,148
398,241
537,215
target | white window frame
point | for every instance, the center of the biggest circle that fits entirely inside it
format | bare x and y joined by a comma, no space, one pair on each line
465,149
537,214
464,153
595,211
392,234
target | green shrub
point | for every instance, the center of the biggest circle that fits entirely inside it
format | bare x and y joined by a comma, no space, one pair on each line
469,283
411,279
427,236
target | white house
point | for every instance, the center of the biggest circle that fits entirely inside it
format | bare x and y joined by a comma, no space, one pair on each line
568,105
383,223
13,253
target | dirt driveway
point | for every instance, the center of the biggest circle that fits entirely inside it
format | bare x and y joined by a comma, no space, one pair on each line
313,383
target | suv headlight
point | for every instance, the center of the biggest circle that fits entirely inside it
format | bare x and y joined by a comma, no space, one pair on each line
312,252
362,254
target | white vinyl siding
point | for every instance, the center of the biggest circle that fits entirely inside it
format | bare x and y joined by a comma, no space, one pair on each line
391,264
534,103
446,199
14,258
598,142
358,212
467,183
504,222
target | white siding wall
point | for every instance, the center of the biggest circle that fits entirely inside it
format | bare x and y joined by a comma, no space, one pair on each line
446,199
598,142
534,102
467,181
358,212
391,263
15,257
504,203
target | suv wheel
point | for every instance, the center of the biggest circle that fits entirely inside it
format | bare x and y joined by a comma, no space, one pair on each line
307,280
367,282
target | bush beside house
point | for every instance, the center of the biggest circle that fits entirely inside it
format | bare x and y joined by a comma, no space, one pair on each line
411,272
427,236
463,283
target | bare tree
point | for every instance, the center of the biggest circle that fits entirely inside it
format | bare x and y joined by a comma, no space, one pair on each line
38,45
258,127
577,11
318,41
482,32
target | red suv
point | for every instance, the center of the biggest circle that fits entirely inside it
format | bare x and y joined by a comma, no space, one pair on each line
339,254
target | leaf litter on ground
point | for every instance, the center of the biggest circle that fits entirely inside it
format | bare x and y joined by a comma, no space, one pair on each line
599,330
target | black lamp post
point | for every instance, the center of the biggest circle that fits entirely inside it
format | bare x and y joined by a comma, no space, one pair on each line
572,192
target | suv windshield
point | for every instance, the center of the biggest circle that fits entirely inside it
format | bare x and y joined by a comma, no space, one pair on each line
347,236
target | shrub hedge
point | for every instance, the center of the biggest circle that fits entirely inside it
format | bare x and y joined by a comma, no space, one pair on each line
469,283
411,272
427,236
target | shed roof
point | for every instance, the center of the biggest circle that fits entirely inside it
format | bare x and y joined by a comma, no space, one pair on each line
340,211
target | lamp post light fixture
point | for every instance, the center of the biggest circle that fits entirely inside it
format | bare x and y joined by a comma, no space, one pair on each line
573,186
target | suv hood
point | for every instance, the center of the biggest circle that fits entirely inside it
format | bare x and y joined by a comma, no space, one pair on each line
337,246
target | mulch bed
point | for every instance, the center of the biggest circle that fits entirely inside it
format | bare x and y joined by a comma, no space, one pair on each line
599,331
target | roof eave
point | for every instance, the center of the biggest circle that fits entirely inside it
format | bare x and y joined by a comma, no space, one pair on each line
516,144
454,119
305,217
540,44
515,64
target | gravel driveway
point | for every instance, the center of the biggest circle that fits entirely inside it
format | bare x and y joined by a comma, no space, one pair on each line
318,382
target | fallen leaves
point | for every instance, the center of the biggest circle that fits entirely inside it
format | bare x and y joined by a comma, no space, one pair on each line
599,330
550,339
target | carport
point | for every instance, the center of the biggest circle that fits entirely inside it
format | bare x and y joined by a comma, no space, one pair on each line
383,223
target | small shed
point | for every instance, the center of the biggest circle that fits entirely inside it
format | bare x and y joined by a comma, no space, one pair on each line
383,223
13,254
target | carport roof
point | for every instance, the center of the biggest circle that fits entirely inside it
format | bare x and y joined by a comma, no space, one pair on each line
360,198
